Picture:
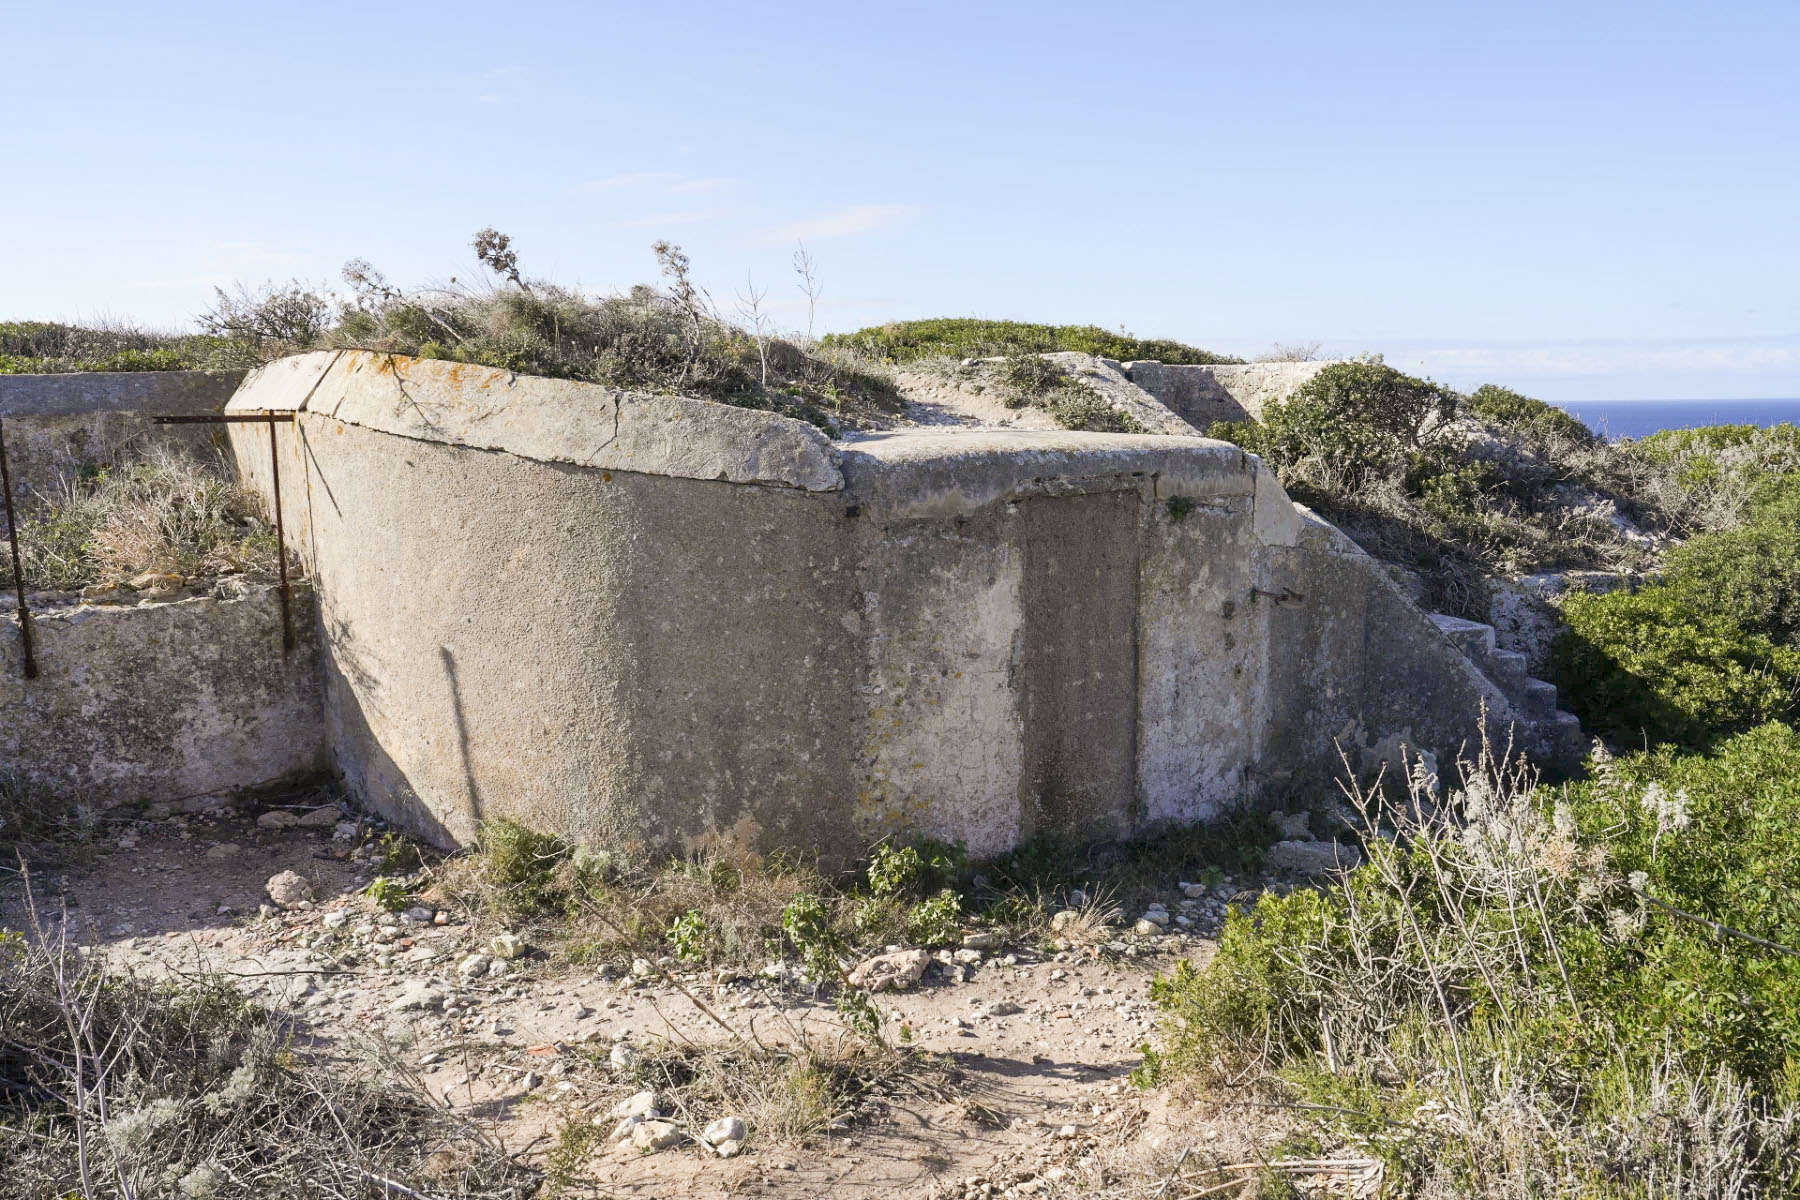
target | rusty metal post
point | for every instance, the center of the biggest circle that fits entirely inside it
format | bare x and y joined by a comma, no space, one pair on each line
287,617
12,533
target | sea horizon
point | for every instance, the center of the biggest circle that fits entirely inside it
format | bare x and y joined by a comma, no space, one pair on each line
1640,418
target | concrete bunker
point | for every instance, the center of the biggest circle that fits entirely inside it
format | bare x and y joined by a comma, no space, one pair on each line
644,620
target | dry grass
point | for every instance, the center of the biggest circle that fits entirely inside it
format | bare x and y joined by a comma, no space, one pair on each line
115,1087
164,512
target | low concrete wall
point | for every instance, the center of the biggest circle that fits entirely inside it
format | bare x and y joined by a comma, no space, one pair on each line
643,620
57,423
1203,395
167,702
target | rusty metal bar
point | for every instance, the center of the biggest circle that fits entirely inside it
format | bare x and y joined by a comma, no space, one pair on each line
223,418
287,617
271,419
12,533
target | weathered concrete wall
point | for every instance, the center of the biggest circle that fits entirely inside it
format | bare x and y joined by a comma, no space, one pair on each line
57,423
643,620
1203,395
167,702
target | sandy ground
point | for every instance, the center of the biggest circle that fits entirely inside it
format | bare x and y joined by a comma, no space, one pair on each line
1035,1047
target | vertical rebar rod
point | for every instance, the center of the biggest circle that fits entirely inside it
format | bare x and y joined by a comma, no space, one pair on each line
287,618
12,534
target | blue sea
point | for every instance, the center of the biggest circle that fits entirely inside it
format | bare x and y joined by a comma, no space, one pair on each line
1639,418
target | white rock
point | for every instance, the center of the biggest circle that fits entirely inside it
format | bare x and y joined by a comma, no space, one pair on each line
895,972
1003,1008
725,1129
624,1056
1159,916
506,945
1195,891
418,914
1312,859
335,920
344,831
319,818
623,1129
641,968
728,1149
970,957
1064,920
288,889
474,966
277,818
499,968
986,939
1295,826
1147,928
651,1136
418,994
643,1105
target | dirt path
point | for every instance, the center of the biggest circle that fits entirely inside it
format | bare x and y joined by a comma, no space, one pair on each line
1034,1049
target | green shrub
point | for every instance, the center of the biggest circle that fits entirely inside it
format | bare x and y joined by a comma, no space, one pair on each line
1354,421
916,869
937,921
390,894
971,337
1539,422
806,921
1083,409
1750,574
1594,980
49,347
525,873
689,936
1029,376
1650,666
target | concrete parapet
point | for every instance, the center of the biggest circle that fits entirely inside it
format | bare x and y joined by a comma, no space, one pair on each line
169,702
1202,395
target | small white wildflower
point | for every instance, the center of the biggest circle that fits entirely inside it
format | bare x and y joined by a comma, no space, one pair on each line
1563,821
1625,926
1638,880
139,1127
1671,812
201,1183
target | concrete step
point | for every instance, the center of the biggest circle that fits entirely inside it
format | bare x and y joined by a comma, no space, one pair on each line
1508,671
1471,637
1567,741
1538,700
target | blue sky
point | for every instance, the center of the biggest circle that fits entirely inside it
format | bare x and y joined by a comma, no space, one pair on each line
1589,201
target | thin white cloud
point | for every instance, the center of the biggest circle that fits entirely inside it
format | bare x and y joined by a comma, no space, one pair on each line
695,216
690,187
842,222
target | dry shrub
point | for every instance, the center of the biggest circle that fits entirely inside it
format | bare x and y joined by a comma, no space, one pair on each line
114,1086
787,1092
165,512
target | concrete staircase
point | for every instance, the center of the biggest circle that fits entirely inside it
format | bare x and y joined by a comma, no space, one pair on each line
1547,734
